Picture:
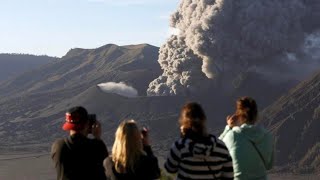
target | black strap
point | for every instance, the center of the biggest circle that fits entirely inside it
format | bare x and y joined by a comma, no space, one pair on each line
191,146
212,172
254,145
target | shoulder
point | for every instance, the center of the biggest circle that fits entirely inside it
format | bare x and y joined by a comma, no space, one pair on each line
148,165
99,148
180,143
145,159
58,144
267,132
98,143
229,132
219,143
58,149
230,137
269,137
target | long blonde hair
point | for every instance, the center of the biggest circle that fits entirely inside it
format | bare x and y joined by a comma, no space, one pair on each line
127,147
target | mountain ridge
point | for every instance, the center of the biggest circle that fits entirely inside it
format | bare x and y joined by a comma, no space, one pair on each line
14,64
294,120
107,63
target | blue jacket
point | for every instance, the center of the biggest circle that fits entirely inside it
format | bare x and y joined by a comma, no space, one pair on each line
247,163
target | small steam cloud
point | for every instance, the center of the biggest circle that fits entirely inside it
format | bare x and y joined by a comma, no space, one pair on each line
118,88
216,36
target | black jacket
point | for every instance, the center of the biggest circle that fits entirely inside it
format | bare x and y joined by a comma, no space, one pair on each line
146,169
79,158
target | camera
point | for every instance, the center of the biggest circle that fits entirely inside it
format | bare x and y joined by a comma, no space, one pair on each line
92,118
144,131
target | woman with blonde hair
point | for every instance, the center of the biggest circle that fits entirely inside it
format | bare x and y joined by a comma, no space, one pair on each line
132,157
250,146
198,154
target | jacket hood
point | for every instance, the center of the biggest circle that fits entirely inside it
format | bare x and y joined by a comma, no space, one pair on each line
202,147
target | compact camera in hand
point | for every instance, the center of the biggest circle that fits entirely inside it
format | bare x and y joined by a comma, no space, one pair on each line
92,118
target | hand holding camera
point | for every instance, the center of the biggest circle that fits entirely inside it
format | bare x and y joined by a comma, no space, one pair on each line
94,126
145,136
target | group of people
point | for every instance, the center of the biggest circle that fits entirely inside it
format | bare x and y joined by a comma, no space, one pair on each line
244,151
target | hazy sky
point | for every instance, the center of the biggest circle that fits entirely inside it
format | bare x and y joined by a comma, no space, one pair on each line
52,27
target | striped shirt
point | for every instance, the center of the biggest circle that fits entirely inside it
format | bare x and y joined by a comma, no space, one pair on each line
202,160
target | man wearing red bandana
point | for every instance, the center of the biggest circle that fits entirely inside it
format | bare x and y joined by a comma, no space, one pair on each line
78,157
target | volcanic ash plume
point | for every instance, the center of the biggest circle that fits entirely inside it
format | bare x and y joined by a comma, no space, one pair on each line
216,36
182,70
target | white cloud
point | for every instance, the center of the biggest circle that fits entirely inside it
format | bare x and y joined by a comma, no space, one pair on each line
118,88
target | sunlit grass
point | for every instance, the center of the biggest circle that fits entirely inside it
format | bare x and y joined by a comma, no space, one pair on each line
166,176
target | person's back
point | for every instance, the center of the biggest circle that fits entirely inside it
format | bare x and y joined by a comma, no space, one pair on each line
77,157
146,168
132,157
252,150
251,147
200,158
197,154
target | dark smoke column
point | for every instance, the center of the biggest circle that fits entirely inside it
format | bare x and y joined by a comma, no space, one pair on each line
220,36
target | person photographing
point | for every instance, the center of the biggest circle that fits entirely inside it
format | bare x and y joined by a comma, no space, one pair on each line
198,154
132,157
251,147
78,157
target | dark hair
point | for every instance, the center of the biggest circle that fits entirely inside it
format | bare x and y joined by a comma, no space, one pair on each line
192,119
79,112
247,109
